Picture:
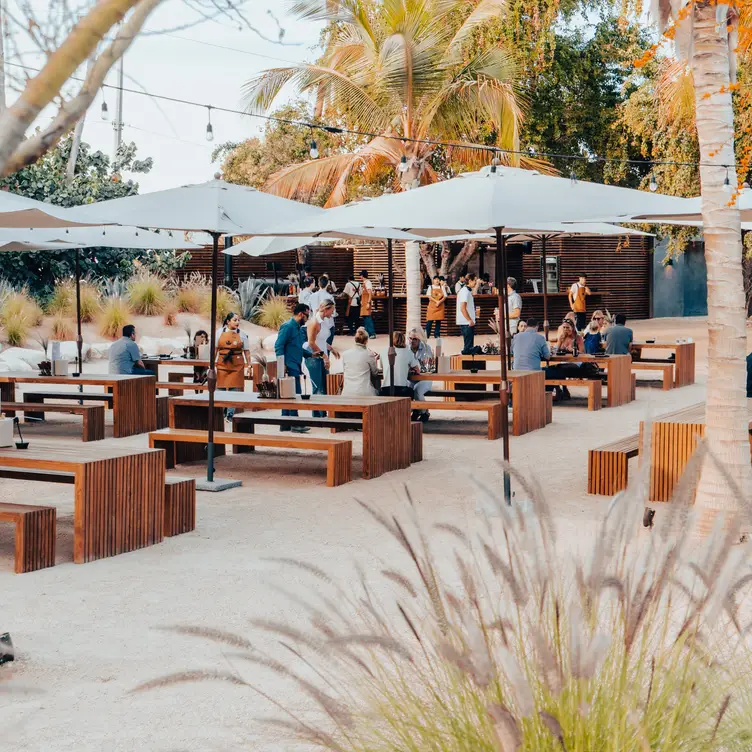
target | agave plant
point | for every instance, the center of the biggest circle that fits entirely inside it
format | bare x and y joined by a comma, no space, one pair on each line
417,73
251,293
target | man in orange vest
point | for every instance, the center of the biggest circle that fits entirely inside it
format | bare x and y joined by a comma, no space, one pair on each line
578,293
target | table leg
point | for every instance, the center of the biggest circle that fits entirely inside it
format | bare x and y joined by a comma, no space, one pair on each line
619,381
684,364
387,437
134,406
195,417
7,391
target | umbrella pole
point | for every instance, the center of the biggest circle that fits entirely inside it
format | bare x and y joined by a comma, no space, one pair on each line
392,354
212,373
545,289
504,274
504,386
79,336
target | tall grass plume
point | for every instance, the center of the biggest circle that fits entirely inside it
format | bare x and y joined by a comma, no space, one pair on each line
63,329
146,293
273,312
113,317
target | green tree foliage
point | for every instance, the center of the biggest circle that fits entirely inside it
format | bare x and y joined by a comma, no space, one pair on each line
97,178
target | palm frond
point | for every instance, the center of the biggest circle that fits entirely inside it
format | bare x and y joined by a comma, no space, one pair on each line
675,93
483,12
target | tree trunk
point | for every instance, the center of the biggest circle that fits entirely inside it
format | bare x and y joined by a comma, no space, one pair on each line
463,257
426,256
727,417
414,286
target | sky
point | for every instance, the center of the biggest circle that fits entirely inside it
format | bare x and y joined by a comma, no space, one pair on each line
206,63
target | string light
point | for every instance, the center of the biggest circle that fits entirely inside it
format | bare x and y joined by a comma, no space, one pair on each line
403,166
314,149
572,177
727,183
209,129
653,183
494,164
105,112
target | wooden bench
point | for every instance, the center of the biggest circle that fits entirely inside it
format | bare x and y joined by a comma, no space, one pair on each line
163,411
339,451
594,386
465,395
35,535
493,408
608,465
179,506
93,415
665,369
39,397
416,442
549,408
246,422
176,388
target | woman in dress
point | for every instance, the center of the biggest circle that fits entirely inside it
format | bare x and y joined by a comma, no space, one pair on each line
435,313
359,368
233,358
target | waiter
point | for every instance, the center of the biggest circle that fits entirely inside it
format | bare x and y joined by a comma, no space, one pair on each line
233,358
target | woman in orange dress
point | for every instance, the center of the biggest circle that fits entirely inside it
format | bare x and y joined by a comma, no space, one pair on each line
233,358
435,313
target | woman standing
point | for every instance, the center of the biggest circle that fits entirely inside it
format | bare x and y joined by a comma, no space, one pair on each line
233,358
435,313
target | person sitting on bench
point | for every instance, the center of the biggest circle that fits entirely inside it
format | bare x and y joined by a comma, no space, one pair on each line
423,353
619,337
404,362
359,368
125,355
529,348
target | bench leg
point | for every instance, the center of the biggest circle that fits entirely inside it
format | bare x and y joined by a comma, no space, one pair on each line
93,428
180,508
668,379
169,449
339,464
242,426
416,442
35,540
494,421
595,400
608,472
38,400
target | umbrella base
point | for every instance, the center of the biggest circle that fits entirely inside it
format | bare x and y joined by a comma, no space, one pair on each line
216,485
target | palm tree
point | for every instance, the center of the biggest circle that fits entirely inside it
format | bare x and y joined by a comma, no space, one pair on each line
711,28
405,68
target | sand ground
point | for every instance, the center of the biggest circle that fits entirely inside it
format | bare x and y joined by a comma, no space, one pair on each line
87,635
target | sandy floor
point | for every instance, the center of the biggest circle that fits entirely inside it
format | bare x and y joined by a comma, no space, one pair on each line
87,635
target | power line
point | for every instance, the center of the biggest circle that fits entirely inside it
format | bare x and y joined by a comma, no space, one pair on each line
233,49
494,150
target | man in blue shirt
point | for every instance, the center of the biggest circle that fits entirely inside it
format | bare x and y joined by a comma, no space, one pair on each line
619,337
125,355
290,340
529,348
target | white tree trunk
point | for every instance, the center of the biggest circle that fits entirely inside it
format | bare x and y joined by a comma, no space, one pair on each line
413,279
727,416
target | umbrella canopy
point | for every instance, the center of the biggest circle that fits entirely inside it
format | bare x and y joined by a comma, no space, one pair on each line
265,246
689,212
110,236
558,230
21,212
17,246
479,202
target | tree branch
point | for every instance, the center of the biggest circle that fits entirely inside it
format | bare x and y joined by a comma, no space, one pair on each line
427,258
31,149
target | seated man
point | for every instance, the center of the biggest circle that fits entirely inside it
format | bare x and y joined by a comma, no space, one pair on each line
619,337
422,352
125,355
529,348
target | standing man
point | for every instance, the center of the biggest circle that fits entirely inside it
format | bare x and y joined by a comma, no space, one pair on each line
352,295
466,314
619,337
514,305
366,304
578,293
320,296
306,290
289,345
125,355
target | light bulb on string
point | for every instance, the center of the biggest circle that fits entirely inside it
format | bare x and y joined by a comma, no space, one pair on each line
209,129
495,163
572,177
314,149
653,185
403,166
105,112
727,183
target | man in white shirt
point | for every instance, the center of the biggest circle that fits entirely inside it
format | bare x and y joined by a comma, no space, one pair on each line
466,314
352,295
306,290
514,305
321,296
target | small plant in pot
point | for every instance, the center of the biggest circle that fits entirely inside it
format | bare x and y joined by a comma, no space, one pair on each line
267,387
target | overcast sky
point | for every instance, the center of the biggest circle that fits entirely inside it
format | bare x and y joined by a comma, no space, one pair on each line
192,64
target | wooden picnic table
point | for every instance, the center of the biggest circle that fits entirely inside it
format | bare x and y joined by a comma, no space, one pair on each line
119,494
387,430
153,364
134,409
618,373
684,358
528,393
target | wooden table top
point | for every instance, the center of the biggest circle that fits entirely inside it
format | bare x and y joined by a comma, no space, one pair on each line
661,345
317,401
482,377
584,358
103,379
48,455
178,362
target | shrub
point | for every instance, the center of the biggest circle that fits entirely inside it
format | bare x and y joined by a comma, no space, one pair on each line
635,641
113,317
63,329
251,293
146,294
227,302
190,294
16,326
273,312
18,306
63,300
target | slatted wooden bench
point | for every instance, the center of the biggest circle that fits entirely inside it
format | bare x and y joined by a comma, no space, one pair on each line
608,465
35,535
93,415
163,411
491,407
180,506
594,386
40,397
339,451
665,369
246,422
176,388
462,395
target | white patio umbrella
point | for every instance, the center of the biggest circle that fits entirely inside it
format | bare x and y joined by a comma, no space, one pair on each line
77,238
24,213
265,246
218,208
